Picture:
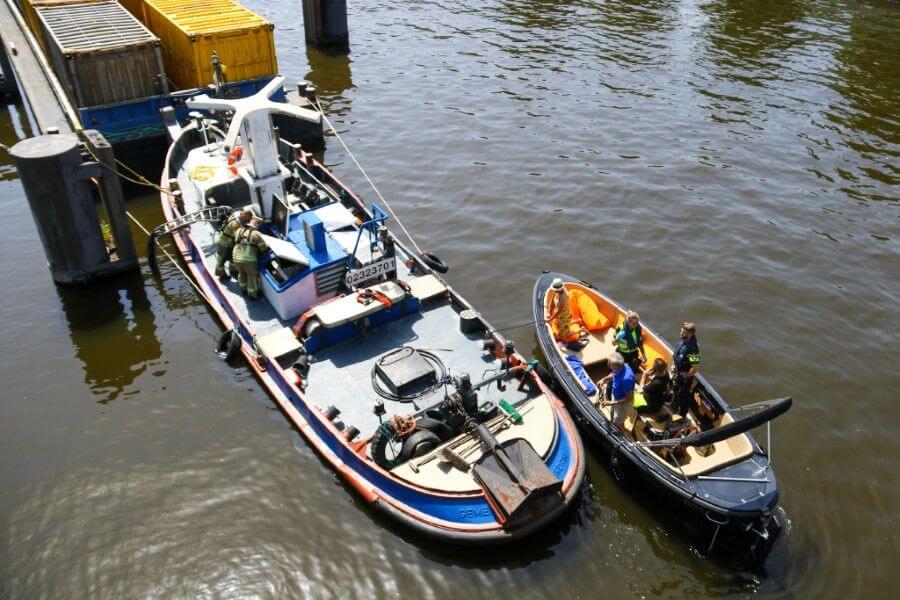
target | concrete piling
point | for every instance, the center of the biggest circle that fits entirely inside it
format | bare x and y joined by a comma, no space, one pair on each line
61,186
325,22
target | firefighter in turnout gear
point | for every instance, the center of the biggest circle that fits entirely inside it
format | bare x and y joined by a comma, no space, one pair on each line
248,243
225,241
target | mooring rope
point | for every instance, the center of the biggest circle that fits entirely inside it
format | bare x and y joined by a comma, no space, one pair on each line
170,257
363,171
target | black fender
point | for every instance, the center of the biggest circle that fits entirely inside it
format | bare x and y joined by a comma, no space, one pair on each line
617,466
418,443
434,262
545,376
439,428
229,345
378,446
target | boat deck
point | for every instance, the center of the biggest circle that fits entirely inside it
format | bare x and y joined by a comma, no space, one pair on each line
259,315
341,375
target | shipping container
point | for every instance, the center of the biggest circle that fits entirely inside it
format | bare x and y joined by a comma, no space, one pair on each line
31,18
191,30
101,53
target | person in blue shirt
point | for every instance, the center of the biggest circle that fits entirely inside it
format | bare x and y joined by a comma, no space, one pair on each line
620,393
686,359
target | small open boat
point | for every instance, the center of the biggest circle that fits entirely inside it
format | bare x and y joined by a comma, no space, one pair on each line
367,350
708,462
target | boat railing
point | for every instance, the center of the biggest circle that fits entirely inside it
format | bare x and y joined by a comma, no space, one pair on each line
770,410
371,227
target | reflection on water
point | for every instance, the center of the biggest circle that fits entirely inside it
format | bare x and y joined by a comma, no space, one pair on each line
113,329
869,71
329,71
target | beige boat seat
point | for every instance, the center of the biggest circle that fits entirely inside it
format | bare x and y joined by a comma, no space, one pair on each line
347,309
599,347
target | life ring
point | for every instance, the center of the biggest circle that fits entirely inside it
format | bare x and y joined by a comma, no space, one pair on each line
434,262
229,345
233,158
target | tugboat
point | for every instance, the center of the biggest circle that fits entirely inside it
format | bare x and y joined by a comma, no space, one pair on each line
707,462
389,374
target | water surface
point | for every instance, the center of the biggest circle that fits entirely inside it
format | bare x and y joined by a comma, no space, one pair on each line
732,163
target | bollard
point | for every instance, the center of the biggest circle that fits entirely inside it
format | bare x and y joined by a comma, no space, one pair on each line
325,22
61,187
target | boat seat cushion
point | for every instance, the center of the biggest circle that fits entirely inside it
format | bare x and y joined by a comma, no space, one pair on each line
348,308
599,347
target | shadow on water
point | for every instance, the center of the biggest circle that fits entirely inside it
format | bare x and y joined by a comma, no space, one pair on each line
117,310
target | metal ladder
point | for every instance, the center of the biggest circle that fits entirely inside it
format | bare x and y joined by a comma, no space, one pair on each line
212,214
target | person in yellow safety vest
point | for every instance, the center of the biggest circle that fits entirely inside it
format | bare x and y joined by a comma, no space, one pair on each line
248,243
225,241
629,342
566,329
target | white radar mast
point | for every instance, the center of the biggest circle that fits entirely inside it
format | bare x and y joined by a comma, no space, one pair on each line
252,125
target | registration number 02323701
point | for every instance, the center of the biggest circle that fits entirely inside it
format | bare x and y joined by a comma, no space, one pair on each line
371,271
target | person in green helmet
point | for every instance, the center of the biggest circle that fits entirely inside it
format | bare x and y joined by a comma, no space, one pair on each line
248,243
225,241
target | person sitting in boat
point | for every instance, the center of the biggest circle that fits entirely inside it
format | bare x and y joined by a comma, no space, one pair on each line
619,389
686,365
629,342
248,243
655,388
565,328
225,241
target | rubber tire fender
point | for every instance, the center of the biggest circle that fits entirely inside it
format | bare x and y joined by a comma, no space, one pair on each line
434,262
378,447
417,444
229,345
439,428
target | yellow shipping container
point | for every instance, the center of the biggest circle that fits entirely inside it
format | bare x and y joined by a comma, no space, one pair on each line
190,30
134,7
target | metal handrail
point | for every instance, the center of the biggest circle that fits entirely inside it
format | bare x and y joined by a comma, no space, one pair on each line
379,216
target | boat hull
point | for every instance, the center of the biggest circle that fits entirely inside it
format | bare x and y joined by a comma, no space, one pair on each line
749,529
457,518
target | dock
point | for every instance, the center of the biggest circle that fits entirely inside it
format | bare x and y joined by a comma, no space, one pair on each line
96,78
46,105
